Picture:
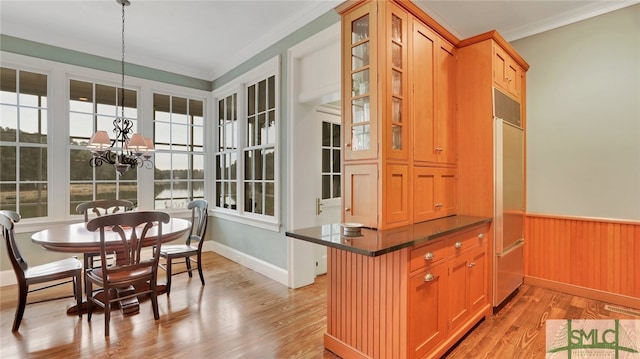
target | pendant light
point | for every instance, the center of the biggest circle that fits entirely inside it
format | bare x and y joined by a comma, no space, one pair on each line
127,150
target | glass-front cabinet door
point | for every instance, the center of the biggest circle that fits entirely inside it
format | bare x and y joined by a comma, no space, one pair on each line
360,132
395,115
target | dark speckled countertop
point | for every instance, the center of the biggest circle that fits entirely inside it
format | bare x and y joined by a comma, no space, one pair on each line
375,243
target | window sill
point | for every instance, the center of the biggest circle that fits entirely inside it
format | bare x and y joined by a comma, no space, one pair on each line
273,226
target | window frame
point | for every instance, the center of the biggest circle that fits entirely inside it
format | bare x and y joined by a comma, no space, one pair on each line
239,86
18,68
59,76
190,181
94,181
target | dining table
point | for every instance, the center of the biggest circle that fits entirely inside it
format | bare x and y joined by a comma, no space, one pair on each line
76,238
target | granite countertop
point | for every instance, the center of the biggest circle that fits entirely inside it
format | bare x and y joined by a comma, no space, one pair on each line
375,243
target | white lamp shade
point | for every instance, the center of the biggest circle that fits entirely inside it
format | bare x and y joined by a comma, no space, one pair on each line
99,141
150,146
137,144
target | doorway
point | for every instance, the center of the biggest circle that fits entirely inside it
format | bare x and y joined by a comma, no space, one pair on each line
314,98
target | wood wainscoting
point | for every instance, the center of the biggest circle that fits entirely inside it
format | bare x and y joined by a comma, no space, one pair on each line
590,257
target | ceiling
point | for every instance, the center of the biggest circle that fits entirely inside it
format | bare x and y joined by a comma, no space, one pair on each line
206,38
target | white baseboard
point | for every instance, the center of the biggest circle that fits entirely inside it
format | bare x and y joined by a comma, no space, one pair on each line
267,269
270,271
7,277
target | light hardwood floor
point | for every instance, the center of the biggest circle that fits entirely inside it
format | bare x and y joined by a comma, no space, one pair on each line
242,314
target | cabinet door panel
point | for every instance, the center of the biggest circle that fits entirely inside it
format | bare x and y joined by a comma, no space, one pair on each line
360,194
396,194
478,279
423,51
458,291
427,310
500,61
445,148
448,192
424,193
394,79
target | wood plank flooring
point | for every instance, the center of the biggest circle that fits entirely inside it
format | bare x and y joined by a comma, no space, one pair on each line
242,314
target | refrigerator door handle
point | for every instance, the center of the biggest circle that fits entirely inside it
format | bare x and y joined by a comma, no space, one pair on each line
511,248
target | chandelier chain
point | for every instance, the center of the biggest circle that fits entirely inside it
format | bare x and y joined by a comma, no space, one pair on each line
122,66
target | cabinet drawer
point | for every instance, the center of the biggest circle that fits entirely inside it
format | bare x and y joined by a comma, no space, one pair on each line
427,255
465,241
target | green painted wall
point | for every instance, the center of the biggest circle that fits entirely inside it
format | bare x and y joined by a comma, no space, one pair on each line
583,117
57,54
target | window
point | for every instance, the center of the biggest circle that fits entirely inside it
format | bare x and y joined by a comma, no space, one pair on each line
23,142
179,157
227,155
94,107
259,150
246,156
330,160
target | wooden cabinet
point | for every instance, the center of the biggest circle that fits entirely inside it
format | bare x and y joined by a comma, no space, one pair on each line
375,115
448,289
360,95
414,302
398,109
427,297
375,74
433,71
507,74
434,191
468,283
487,63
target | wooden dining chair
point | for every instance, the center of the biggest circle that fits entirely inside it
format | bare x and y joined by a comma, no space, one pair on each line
103,206
53,272
126,233
193,244
99,208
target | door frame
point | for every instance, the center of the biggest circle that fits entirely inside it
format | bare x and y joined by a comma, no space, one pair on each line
301,108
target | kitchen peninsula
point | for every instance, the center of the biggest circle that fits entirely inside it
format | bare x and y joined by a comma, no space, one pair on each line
419,171
407,292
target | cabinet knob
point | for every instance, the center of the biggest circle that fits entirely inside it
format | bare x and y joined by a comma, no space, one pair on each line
458,245
438,205
429,277
438,149
429,256
347,209
481,235
471,265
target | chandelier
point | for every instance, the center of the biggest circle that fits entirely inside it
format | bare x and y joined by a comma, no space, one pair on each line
127,150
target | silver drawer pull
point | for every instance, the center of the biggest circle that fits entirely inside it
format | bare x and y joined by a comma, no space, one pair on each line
429,277
429,256
458,245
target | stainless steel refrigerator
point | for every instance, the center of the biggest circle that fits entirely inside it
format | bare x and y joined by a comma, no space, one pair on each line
508,267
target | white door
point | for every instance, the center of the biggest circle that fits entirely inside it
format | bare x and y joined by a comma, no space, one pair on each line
328,195
327,201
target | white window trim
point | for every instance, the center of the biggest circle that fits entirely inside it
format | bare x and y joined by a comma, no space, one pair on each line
238,85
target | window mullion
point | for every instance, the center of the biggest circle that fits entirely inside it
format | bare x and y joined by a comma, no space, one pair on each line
241,115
